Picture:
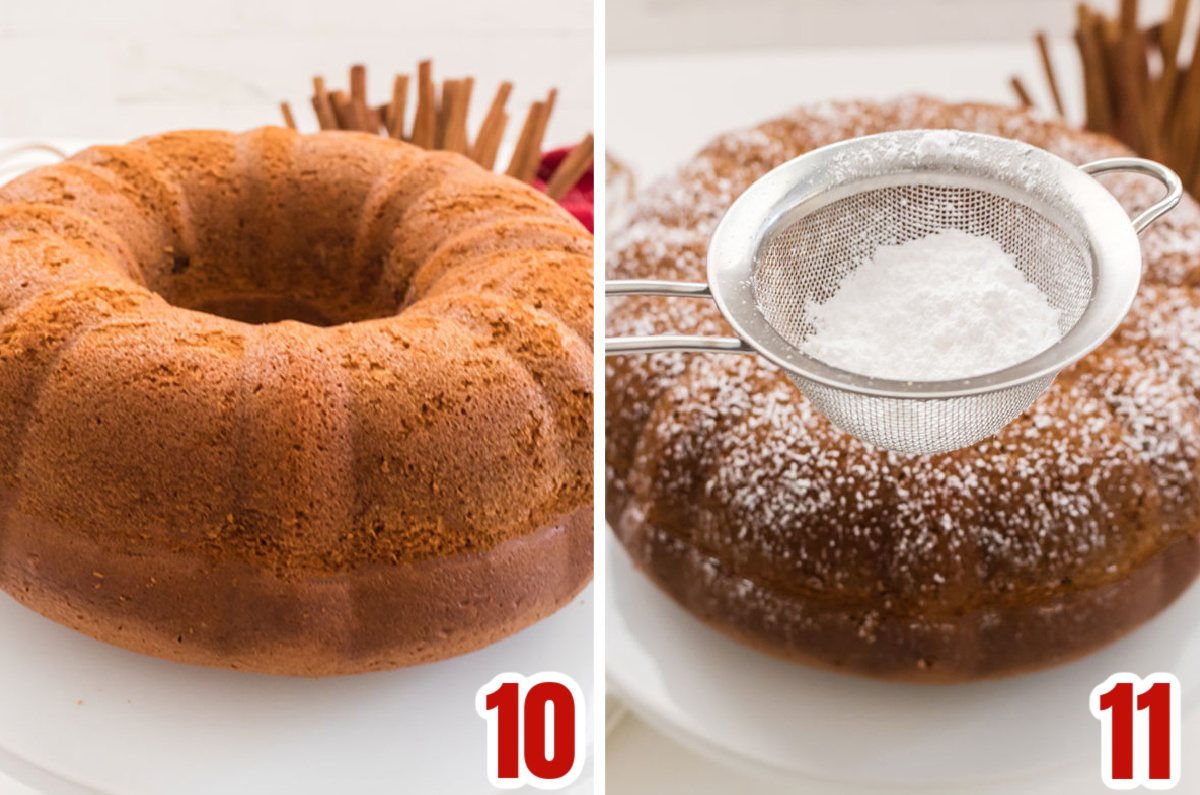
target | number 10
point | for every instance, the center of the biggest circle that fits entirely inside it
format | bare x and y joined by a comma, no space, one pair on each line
1140,720
536,730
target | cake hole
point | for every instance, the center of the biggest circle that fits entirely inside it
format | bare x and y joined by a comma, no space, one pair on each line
317,278
259,309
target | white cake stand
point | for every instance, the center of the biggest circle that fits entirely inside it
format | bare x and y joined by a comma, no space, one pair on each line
785,721
78,716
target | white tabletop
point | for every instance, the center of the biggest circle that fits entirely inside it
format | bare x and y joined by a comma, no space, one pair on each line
660,110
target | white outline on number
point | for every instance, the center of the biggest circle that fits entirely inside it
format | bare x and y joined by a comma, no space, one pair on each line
524,684
1141,745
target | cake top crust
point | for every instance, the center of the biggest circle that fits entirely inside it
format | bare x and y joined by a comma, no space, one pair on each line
308,353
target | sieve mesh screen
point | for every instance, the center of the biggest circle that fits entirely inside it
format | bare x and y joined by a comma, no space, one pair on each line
804,261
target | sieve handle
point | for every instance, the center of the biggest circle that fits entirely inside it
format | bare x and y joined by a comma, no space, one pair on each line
1149,168
664,343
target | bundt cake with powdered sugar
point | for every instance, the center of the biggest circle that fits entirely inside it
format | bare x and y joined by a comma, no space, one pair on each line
1073,525
295,404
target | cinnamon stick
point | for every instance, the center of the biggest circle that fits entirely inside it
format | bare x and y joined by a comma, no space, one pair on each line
540,133
1185,132
1132,106
1171,38
516,166
1043,46
360,116
1089,93
1149,90
374,118
357,116
396,111
342,109
1192,185
288,119
493,123
449,92
358,83
1128,15
456,118
425,122
532,154
1099,114
487,145
323,106
573,166
1108,35
1022,93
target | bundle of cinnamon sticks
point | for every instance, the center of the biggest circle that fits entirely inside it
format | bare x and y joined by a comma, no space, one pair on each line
1135,85
439,121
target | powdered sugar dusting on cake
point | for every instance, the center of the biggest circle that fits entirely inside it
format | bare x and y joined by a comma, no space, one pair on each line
727,455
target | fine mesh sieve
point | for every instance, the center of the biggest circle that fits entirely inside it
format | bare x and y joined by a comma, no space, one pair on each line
788,242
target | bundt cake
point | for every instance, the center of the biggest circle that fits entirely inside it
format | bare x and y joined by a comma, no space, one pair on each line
1072,526
296,404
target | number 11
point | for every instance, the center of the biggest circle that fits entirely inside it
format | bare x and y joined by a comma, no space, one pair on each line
1140,743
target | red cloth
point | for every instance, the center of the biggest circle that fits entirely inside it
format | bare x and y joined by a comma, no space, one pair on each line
579,200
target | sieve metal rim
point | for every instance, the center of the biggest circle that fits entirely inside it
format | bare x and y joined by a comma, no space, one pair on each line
809,181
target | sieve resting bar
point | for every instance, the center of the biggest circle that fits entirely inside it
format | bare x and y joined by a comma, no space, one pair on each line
665,343
657,287
1149,168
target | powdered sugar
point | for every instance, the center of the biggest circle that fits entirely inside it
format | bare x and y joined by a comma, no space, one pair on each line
947,305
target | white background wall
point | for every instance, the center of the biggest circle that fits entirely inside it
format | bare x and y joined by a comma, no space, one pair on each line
116,69
645,26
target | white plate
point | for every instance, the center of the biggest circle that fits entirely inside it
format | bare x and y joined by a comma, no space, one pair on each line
773,717
78,716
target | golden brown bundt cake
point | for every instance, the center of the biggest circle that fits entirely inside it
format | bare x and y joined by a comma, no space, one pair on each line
1072,526
188,471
